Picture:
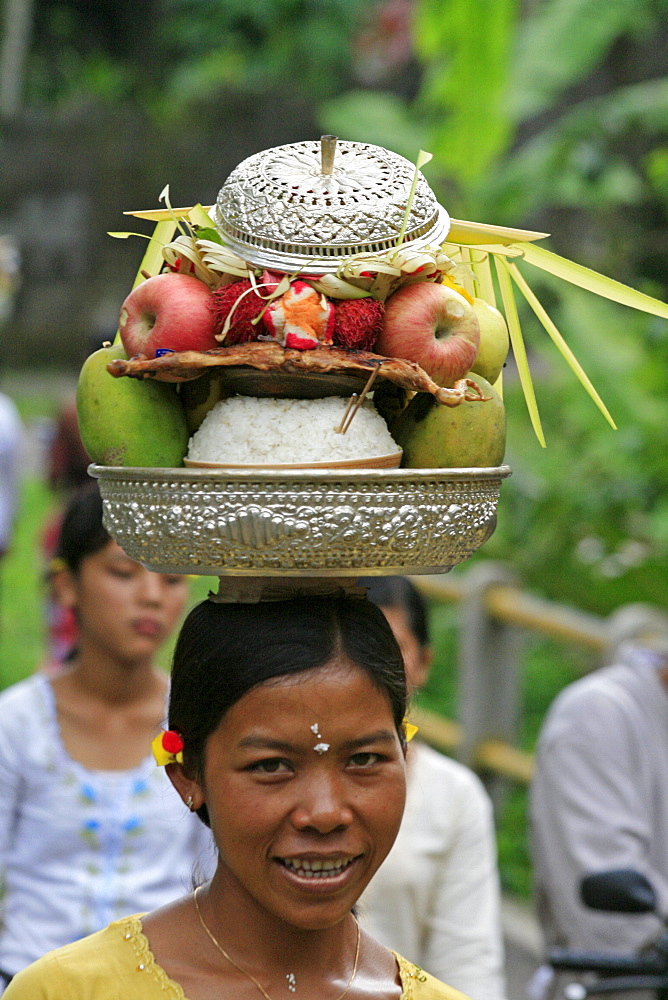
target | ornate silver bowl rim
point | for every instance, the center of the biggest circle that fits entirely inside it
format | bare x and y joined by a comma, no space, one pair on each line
137,473
312,204
300,523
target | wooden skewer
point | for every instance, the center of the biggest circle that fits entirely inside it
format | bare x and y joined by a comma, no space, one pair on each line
354,404
339,429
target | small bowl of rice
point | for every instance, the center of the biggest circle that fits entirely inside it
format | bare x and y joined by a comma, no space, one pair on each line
247,432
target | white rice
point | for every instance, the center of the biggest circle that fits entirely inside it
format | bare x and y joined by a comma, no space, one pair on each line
244,430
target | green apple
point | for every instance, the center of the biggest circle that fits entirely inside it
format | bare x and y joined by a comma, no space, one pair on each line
434,436
494,341
124,421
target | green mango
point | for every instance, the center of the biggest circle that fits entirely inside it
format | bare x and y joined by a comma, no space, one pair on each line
124,421
434,436
199,396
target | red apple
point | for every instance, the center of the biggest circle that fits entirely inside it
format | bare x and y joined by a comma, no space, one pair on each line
170,310
434,326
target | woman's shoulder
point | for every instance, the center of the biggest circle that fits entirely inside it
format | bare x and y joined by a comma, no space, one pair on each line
420,985
24,705
96,968
23,692
27,723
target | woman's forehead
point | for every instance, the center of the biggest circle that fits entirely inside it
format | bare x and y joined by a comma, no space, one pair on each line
112,552
340,669
336,692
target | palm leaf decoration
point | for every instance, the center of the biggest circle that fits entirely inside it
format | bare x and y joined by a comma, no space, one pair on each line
557,338
475,244
519,350
592,281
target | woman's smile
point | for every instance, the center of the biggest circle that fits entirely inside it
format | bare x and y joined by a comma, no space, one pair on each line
320,874
317,866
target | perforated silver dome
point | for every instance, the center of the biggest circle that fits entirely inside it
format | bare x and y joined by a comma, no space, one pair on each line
311,204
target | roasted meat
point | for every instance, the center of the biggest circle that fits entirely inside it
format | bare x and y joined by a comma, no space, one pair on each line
271,357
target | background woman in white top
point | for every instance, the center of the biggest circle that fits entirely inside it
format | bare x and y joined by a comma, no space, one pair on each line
90,830
436,896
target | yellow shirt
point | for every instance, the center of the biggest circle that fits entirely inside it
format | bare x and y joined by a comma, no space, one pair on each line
117,964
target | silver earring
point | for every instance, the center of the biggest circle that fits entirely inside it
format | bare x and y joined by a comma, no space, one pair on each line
190,803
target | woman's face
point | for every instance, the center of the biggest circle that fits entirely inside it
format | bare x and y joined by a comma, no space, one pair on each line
121,607
305,786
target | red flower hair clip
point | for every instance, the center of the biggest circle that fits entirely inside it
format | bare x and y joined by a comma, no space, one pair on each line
167,748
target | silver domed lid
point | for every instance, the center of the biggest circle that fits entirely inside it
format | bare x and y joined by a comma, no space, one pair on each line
312,204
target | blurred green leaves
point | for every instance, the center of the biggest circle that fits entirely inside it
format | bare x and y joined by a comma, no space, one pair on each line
168,54
263,45
466,47
527,110
561,43
580,161
372,116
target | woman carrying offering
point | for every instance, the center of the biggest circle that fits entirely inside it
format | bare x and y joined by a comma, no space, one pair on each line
89,829
286,736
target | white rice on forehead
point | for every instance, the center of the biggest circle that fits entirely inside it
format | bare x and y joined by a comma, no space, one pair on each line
244,430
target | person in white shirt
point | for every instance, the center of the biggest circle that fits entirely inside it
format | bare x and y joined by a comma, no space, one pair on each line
436,897
599,798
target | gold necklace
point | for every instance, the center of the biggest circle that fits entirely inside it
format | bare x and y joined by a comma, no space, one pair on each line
252,978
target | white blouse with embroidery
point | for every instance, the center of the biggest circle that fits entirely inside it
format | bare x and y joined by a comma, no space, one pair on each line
81,848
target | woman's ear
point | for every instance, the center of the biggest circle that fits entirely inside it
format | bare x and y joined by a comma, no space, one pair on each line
189,789
64,588
421,668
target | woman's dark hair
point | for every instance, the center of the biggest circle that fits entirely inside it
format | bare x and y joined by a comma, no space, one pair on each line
225,650
82,532
399,592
